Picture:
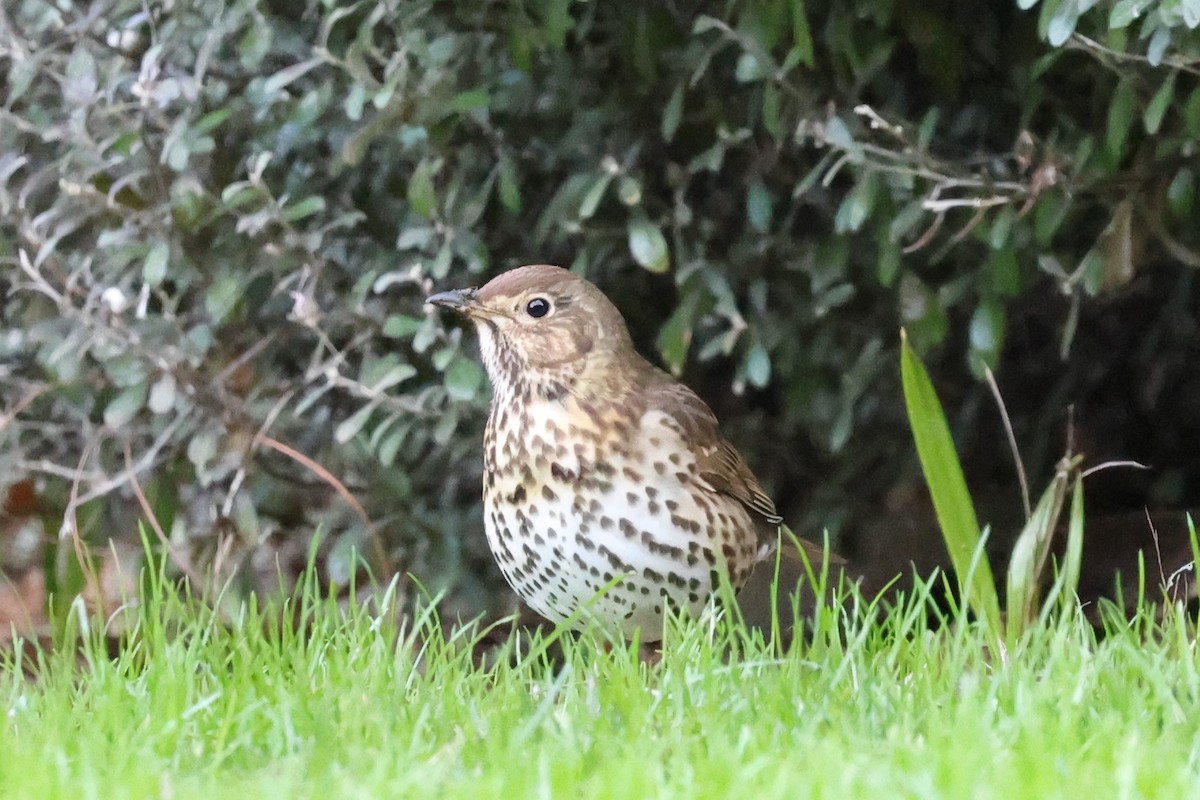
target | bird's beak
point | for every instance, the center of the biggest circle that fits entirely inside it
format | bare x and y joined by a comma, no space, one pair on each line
460,300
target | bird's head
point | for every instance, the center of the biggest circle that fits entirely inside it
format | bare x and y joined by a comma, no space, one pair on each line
543,328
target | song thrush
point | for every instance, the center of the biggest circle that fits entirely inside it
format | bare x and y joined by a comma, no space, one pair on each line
602,473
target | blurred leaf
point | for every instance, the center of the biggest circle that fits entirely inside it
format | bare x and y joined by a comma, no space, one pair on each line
510,187
202,447
1049,214
647,244
757,366
1190,10
1125,12
1004,273
1159,104
125,406
1116,251
927,129
594,195
469,100
758,206
921,313
750,68
770,111
838,135
675,337
289,75
887,266
801,38
1120,118
154,269
463,379
422,197
162,394
986,332
401,326
383,373
1063,18
857,205
416,237
1181,194
305,208
349,427
629,190
1157,48
672,113
81,83
222,297
906,220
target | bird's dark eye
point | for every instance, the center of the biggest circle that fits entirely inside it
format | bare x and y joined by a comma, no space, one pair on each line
538,307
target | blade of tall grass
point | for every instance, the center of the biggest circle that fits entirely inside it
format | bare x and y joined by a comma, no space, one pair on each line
948,488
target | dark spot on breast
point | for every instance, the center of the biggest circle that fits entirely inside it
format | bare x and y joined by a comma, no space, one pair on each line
553,391
518,495
547,492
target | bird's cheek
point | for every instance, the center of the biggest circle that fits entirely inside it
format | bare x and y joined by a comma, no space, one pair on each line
583,343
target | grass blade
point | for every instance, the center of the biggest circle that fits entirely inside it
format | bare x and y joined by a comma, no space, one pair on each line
947,487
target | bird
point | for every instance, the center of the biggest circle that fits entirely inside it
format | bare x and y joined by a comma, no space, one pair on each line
610,496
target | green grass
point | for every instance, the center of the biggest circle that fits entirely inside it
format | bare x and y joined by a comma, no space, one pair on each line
359,707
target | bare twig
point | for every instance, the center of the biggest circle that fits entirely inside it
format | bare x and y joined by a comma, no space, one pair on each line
23,403
926,237
966,202
383,562
1106,54
1012,440
1110,465
178,559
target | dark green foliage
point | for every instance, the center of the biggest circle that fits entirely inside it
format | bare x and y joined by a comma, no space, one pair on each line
219,219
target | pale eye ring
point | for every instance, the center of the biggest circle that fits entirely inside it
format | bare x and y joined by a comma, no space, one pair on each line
538,307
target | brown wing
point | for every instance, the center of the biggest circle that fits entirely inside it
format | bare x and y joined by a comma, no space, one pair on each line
723,468
720,465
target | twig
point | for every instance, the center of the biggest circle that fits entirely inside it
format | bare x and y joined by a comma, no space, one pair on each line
926,237
383,562
177,559
1080,42
966,202
145,461
1012,439
22,404
1111,464
70,522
